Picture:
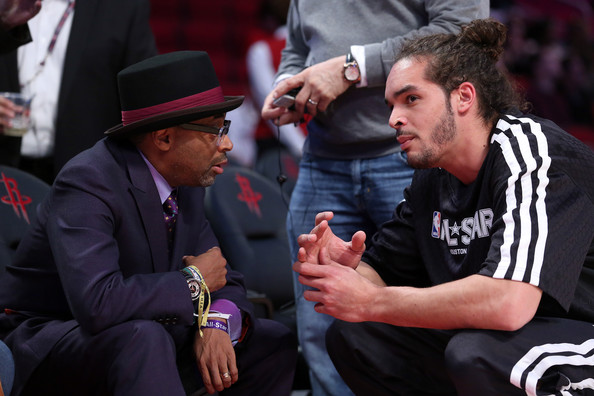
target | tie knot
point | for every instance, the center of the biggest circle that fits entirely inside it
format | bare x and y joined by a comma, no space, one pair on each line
170,204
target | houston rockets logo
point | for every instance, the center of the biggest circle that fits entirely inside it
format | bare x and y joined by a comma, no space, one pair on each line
14,197
248,195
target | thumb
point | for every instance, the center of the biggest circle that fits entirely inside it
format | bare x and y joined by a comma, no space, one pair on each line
324,256
358,241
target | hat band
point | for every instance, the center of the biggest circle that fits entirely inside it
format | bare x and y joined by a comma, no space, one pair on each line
212,96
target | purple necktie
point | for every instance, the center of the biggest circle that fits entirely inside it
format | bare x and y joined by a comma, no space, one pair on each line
170,211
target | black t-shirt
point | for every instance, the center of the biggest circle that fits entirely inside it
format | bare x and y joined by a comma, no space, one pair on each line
528,216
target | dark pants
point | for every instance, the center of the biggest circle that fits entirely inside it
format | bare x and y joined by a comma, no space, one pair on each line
146,358
544,357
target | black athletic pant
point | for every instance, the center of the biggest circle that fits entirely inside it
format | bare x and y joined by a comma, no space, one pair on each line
548,356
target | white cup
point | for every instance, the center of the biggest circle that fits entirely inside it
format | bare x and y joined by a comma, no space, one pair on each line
21,120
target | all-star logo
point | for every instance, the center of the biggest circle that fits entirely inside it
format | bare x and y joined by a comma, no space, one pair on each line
455,229
14,197
455,235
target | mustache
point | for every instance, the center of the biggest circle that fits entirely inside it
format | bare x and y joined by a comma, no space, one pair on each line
218,160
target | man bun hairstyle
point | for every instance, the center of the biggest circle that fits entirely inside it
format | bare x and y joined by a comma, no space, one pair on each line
471,55
489,35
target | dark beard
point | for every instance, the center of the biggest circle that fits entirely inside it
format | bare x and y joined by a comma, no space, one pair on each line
443,133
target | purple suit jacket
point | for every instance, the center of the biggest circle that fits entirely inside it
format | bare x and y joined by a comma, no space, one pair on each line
98,256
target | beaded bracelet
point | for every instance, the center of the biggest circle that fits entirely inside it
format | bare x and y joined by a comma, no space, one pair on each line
194,271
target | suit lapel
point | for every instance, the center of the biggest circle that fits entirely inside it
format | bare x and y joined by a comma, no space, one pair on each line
145,194
82,24
9,72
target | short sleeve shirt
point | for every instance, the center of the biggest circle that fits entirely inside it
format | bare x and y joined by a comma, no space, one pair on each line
528,217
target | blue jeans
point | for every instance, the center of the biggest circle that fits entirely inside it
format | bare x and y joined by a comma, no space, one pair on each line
6,368
362,194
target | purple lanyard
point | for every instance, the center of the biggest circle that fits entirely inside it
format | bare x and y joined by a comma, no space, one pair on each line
52,43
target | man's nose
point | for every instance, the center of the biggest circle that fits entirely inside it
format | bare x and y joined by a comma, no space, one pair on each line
226,144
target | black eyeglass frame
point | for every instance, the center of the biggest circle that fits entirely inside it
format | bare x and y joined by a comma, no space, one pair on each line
220,132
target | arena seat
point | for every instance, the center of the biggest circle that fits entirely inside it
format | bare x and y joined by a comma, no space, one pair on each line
247,214
20,194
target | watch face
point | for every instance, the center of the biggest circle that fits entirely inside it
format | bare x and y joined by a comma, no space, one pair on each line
194,288
351,73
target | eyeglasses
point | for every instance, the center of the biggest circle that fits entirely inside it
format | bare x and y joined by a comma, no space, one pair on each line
220,132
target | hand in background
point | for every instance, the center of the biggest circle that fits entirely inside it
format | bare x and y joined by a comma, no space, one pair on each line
320,85
17,12
7,109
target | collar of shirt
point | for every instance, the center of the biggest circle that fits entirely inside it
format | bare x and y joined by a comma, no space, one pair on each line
163,187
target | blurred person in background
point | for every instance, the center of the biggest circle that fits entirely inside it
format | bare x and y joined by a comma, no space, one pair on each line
14,15
69,70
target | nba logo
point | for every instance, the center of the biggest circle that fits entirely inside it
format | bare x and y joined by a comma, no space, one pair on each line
436,227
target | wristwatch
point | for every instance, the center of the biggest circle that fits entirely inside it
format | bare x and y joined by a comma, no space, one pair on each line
351,70
193,284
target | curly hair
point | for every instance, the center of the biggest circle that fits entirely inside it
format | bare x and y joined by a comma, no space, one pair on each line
471,55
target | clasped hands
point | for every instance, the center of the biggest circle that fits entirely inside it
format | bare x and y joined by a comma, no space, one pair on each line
328,265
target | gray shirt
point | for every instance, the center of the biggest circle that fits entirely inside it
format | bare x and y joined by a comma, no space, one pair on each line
356,124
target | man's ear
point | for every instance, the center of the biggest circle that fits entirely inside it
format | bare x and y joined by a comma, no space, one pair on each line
162,139
465,97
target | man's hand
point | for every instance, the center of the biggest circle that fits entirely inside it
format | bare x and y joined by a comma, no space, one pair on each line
337,250
212,266
215,357
279,115
17,12
339,290
327,264
320,85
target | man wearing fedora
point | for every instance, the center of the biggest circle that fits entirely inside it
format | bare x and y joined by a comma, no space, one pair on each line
113,293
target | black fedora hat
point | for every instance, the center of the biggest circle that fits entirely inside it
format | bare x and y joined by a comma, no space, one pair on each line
168,90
